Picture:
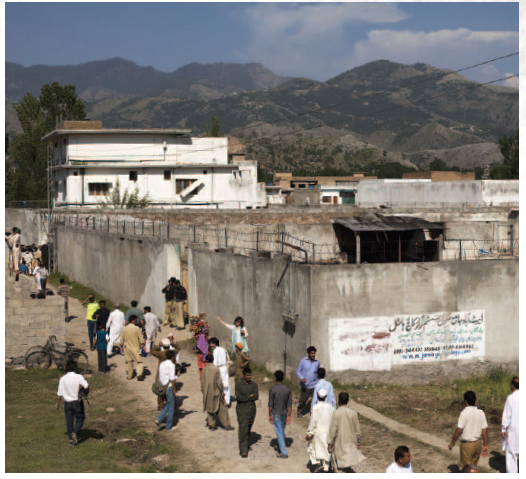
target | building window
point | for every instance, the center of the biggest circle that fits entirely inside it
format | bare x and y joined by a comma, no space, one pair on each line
301,185
133,176
181,185
56,145
205,172
99,189
65,141
167,175
327,199
75,173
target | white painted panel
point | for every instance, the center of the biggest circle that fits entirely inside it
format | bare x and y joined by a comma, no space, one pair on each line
378,343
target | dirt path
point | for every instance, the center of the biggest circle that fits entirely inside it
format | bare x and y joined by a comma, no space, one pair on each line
217,451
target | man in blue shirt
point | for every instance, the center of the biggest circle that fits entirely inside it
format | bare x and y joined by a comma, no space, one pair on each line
323,384
23,267
306,373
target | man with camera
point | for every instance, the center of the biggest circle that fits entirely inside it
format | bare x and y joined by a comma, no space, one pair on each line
72,387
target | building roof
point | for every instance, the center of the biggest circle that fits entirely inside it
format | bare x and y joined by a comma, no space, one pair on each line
115,131
377,222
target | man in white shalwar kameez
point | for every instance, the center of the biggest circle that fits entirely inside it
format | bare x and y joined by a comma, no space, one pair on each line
510,428
114,325
151,326
320,422
221,361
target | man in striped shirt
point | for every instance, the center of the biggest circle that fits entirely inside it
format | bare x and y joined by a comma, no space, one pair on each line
63,291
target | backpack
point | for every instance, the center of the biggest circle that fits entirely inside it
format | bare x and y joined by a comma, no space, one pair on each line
158,389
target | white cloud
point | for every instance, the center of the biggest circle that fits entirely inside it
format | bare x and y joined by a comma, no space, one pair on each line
511,82
444,48
303,39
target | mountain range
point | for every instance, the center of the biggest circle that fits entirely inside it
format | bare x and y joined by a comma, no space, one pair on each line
378,112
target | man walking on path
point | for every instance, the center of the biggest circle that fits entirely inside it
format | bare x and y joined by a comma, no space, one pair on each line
43,277
92,323
280,411
135,311
63,291
101,315
169,297
510,428
151,326
132,338
180,298
247,394
344,436
102,353
306,373
326,386
471,426
220,361
242,361
115,325
160,353
167,377
320,422
213,397
69,388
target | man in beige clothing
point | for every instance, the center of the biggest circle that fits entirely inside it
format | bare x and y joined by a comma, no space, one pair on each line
344,436
471,426
213,396
132,338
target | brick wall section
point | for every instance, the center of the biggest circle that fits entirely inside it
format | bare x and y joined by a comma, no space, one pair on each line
440,176
81,125
29,322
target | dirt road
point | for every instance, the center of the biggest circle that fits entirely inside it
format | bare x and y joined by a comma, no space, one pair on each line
217,451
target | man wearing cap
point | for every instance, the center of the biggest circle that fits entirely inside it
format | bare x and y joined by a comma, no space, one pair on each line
320,422
169,297
114,326
242,361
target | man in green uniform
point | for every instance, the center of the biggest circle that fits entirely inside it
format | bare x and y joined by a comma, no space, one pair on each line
247,395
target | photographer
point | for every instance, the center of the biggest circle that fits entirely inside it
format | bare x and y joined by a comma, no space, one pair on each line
71,387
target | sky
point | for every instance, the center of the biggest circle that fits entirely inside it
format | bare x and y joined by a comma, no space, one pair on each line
313,40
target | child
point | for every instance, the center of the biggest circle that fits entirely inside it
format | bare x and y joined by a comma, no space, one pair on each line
402,464
102,345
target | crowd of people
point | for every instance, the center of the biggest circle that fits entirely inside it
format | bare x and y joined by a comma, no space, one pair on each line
333,435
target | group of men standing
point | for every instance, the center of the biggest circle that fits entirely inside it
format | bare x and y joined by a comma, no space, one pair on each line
175,295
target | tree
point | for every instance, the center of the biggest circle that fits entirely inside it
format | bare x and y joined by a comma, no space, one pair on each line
28,153
60,102
438,165
499,172
479,172
126,200
214,132
509,147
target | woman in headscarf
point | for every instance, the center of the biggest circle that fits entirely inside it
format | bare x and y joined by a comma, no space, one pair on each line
239,333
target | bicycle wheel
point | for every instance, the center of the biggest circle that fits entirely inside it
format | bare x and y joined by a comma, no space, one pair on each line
81,359
38,359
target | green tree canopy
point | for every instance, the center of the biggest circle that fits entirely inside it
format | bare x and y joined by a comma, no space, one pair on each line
214,132
509,147
438,165
37,117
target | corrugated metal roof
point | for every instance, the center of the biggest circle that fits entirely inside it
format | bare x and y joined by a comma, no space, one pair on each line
377,222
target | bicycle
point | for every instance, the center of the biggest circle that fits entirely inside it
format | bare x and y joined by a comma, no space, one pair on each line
43,356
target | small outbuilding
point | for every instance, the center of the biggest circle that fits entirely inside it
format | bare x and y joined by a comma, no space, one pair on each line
376,238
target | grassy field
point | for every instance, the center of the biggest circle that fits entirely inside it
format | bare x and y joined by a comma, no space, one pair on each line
35,432
436,407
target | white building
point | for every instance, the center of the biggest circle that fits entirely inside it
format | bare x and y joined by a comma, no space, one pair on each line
175,169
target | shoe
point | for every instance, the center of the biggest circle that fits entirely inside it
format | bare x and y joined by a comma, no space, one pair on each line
244,455
300,416
157,423
229,428
212,428
282,456
74,439
71,443
172,325
140,378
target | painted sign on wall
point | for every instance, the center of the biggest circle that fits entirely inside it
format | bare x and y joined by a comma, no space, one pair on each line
377,343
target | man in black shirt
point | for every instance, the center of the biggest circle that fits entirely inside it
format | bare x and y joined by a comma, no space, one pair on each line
280,411
180,298
101,315
247,394
169,297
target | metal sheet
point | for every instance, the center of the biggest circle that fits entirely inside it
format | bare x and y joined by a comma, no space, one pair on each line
377,222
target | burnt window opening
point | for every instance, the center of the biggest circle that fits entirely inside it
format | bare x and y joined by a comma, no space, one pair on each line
133,176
